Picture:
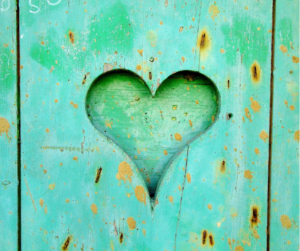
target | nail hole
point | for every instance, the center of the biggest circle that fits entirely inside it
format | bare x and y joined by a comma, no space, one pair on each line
121,238
66,244
204,235
211,240
229,116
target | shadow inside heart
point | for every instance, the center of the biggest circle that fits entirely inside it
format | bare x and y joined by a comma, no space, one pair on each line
152,129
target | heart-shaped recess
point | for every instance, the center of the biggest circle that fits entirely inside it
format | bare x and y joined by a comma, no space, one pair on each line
152,129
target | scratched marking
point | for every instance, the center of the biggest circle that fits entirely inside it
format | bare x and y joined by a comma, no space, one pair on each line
7,7
30,194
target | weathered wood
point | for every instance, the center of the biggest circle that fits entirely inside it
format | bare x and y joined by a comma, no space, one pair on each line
284,197
8,128
80,190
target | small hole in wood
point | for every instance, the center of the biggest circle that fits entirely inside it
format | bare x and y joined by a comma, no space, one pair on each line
229,116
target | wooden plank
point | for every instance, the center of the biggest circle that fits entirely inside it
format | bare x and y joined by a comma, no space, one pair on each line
284,199
8,127
80,189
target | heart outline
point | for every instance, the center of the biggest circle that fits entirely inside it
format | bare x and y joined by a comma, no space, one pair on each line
181,149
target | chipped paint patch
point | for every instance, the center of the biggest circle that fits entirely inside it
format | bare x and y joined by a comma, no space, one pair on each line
140,194
283,48
131,223
124,172
247,114
188,177
177,136
295,59
285,221
264,136
94,208
213,11
239,248
248,175
4,127
254,105
151,36
296,136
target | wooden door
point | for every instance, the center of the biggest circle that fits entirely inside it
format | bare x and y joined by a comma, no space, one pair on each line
150,125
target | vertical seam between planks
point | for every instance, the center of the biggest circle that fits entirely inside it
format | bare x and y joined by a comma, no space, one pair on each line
271,124
183,185
19,120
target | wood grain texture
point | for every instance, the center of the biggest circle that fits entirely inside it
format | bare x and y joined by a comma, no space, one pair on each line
214,193
8,128
284,217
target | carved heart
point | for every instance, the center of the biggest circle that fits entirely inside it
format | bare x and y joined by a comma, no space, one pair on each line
152,129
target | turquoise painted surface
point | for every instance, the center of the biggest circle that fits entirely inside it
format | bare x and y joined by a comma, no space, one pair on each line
8,128
217,187
284,227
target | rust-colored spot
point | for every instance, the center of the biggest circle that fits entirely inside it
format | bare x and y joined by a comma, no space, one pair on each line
203,43
255,72
223,166
66,244
121,238
211,240
203,40
71,36
150,75
254,219
139,67
295,59
204,236
98,175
